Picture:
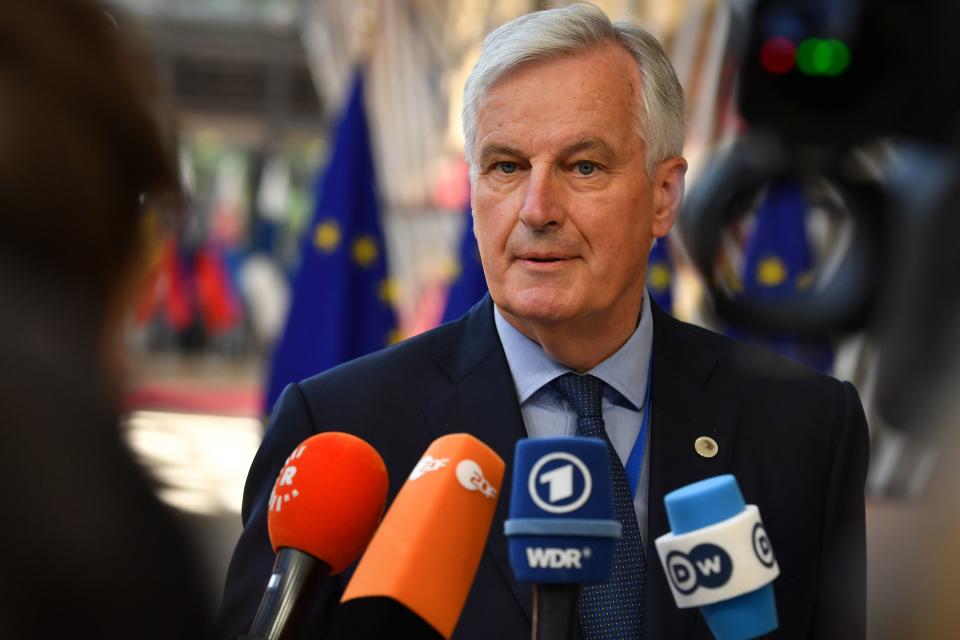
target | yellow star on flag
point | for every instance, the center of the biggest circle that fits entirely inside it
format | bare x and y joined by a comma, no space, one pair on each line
326,237
389,290
771,271
450,269
365,251
659,276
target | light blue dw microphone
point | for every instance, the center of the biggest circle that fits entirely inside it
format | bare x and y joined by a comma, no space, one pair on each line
562,527
718,557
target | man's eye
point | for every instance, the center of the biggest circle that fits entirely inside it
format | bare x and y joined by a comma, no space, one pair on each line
507,167
586,168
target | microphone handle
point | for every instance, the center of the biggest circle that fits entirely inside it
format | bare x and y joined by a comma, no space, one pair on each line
283,606
555,612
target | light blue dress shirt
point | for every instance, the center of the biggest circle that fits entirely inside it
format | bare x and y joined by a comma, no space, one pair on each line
546,414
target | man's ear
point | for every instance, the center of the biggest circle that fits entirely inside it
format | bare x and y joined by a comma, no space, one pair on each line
668,182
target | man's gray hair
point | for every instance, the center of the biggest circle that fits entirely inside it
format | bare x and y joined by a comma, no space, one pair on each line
564,31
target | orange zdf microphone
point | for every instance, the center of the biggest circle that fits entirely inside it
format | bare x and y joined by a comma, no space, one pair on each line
413,580
323,510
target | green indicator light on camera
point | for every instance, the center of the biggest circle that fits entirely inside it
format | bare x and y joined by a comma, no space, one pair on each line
840,58
805,56
823,57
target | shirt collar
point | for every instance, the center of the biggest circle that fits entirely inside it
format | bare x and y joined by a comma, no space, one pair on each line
625,370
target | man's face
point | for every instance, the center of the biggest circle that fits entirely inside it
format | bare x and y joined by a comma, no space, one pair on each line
564,211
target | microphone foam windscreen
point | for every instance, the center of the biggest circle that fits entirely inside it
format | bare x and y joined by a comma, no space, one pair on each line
718,557
563,526
328,498
427,550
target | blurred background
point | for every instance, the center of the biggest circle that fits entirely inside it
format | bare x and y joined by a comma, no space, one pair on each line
289,114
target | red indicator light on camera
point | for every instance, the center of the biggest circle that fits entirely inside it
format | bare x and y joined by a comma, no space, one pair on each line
777,55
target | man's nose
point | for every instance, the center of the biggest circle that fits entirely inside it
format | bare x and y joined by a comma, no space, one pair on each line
541,204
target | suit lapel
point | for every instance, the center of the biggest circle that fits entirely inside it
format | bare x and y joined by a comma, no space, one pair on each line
691,398
482,401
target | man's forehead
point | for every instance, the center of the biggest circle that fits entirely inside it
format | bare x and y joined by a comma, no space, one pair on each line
604,81
561,131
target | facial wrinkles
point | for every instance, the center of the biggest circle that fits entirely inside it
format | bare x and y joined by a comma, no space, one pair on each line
557,104
505,116
524,241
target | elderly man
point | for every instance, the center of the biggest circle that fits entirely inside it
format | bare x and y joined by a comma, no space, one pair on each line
574,129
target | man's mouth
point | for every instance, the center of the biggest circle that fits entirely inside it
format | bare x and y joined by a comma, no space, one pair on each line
542,258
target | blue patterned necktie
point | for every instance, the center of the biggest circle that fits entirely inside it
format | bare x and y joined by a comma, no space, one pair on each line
614,609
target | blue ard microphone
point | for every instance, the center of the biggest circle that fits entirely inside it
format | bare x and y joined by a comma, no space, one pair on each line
562,527
718,557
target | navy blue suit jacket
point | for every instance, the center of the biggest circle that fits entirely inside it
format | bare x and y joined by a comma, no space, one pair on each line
795,440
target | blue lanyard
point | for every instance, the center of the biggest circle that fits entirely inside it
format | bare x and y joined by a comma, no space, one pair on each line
635,460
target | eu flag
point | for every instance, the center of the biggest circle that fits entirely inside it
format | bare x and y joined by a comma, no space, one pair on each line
778,262
660,275
469,285
342,298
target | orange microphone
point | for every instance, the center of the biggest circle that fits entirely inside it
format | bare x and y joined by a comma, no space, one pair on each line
324,507
414,578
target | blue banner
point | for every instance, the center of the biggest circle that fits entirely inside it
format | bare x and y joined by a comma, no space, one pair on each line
779,262
469,285
342,297
660,275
